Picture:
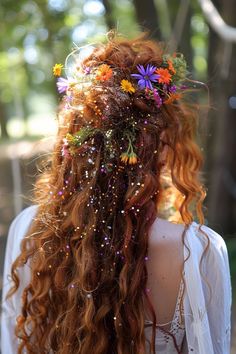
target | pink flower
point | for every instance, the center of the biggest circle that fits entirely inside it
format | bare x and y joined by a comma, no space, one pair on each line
65,149
62,85
87,70
157,98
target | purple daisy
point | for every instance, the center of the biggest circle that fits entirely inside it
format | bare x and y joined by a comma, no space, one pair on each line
146,76
62,85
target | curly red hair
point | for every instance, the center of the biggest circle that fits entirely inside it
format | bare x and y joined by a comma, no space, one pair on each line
88,242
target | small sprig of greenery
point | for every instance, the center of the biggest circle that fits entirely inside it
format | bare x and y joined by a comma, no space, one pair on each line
81,136
180,66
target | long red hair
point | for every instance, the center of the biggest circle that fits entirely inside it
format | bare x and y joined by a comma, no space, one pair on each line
88,241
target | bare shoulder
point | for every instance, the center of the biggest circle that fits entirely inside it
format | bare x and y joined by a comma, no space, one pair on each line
165,234
164,266
165,251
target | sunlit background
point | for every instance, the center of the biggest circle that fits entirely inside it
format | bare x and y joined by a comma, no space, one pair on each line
34,35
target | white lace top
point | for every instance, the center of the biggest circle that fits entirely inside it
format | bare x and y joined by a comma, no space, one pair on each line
168,343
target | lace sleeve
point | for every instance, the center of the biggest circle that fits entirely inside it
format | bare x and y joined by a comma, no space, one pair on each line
10,308
219,299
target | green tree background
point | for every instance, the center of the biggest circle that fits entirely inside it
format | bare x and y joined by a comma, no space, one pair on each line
37,34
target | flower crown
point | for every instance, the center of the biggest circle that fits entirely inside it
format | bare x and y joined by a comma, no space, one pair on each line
162,84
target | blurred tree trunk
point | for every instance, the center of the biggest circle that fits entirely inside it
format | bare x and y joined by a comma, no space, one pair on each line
222,199
147,18
3,117
110,22
214,89
184,44
3,122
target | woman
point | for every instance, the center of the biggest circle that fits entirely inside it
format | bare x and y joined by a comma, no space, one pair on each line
94,266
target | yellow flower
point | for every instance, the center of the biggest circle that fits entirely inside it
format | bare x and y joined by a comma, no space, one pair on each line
133,158
127,86
57,69
124,157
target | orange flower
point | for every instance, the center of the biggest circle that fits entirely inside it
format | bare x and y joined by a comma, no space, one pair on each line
172,97
171,67
165,76
124,157
133,158
130,158
104,72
